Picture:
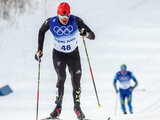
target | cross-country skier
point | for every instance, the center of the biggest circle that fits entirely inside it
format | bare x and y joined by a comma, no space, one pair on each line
64,28
125,87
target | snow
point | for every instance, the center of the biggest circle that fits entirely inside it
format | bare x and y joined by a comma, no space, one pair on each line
126,32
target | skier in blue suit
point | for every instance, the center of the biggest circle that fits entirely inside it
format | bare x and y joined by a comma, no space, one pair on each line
125,87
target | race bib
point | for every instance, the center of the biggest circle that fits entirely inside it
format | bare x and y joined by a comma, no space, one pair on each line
64,35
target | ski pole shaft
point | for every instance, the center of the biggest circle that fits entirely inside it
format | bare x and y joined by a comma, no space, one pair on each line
116,103
38,90
91,72
140,90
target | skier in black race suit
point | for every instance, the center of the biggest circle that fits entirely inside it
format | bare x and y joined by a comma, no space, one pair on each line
65,28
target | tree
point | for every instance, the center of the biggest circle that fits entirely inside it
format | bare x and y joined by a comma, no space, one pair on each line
8,8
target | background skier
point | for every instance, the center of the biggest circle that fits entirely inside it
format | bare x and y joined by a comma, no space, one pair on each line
125,87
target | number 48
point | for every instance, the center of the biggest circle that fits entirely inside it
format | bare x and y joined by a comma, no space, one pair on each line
68,47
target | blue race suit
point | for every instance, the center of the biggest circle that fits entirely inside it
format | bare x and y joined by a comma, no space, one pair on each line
125,88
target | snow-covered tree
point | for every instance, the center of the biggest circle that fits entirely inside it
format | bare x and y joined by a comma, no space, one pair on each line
8,8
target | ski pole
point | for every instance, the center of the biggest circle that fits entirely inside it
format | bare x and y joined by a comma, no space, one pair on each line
140,90
91,72
115,112
38,90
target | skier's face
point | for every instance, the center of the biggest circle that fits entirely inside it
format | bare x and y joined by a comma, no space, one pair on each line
123,71
63,19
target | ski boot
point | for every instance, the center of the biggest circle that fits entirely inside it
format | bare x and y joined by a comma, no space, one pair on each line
79,113
56,112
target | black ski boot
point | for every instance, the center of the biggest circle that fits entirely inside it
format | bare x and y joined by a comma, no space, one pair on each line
79,113
56,112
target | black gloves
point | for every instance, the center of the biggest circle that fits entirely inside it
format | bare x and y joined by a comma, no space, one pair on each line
131,88
83,32
38,55
117,91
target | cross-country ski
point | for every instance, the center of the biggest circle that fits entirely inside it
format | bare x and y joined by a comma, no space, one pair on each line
60,119
51,119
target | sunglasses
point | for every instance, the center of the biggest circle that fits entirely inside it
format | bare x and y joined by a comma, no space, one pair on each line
64,16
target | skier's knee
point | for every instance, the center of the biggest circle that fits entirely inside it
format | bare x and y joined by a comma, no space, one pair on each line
60,83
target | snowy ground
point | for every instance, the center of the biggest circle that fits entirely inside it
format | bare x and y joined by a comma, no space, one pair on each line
126,32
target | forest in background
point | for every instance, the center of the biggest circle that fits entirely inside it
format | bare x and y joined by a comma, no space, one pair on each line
10,8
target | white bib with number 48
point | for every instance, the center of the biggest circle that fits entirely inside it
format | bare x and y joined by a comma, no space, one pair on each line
66,46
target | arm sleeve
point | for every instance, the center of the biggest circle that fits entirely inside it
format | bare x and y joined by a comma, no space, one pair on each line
115,81
134,79
81,25
41,35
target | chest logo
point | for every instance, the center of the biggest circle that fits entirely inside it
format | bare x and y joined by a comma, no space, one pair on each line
63,30
124,78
